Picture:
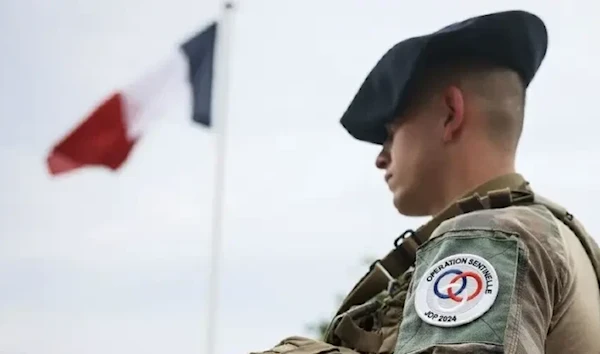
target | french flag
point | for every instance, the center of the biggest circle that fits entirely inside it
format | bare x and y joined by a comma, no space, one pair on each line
107,135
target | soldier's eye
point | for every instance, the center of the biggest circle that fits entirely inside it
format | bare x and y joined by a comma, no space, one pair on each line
388,141
389,129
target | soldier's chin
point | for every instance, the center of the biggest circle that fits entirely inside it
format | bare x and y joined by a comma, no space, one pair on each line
408,206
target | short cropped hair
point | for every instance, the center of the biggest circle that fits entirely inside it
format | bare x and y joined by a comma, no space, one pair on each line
501,90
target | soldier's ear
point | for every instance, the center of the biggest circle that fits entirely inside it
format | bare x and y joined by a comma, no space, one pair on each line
455,112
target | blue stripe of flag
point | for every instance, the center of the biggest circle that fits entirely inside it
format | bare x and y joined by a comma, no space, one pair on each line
199,51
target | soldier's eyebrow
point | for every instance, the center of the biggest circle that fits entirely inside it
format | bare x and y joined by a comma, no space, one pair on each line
392,126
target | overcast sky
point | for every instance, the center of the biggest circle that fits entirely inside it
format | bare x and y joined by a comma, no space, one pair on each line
97,262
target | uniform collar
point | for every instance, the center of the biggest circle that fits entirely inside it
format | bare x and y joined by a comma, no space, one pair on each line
513,181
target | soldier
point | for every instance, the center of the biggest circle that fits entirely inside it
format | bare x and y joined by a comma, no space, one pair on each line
498,269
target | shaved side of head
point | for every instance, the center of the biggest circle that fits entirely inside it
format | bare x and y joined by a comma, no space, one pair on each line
498,91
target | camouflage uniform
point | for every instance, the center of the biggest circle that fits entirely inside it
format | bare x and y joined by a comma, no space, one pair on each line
501,270
548,267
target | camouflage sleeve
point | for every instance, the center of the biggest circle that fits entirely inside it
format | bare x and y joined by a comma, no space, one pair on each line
303,345
487,282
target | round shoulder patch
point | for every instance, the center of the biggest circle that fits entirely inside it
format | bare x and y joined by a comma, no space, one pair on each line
456,290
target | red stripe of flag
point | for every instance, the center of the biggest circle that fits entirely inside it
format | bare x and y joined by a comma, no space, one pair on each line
100,140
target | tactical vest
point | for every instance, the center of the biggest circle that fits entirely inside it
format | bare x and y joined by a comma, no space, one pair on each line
369,317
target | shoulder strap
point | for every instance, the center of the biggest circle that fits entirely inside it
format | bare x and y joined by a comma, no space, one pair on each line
506,190
402,256
515,191
588,243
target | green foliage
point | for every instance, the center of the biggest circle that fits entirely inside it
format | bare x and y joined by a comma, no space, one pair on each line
319,327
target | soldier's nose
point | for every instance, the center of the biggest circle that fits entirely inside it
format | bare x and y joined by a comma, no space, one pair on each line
382,160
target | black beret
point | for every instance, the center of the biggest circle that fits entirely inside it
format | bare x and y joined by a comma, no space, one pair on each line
514,39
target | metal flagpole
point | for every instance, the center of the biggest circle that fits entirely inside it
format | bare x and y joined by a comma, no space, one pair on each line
220,109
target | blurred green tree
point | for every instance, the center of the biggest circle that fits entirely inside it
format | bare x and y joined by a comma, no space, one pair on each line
318,327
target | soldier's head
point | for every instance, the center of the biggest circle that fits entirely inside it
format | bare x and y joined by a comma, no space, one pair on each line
447,107
461,126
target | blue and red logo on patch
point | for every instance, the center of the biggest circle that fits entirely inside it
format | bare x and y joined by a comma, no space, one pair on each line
456,290
459,276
